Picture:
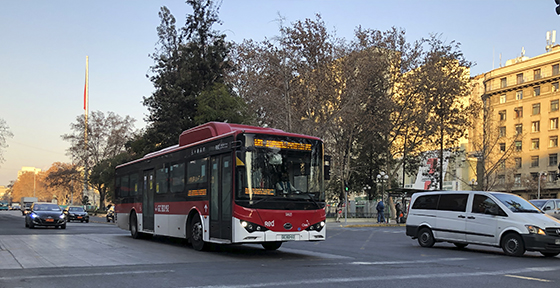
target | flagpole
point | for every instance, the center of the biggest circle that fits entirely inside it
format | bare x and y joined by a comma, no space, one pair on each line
86,108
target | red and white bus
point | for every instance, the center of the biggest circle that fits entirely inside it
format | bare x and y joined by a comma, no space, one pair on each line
226,183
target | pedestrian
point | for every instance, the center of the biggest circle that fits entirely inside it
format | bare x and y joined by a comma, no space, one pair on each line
399,213
380,207
338,211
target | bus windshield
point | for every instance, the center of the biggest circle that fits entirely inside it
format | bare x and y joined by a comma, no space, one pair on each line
279,172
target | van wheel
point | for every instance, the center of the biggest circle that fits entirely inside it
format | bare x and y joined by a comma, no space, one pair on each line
512,244
426,238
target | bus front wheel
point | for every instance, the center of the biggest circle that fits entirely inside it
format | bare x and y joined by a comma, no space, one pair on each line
272,245
134,226
197,235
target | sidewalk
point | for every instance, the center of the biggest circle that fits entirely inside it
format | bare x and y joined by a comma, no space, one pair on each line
361,222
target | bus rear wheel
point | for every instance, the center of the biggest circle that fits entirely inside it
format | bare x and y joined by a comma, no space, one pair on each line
271,245
197,235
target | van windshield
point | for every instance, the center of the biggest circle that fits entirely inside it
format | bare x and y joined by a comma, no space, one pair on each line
516,204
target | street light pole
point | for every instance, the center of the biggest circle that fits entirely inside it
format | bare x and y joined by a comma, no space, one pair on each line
539,190
382,177
473,183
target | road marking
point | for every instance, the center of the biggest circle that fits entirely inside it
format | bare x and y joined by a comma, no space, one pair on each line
527,278
382,278
407,262
84,275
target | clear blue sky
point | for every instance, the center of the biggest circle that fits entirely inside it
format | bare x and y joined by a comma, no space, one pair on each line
43,47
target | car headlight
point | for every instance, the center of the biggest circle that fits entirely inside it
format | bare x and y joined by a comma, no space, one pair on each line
252,227
535,230
33,215
61,216
316,227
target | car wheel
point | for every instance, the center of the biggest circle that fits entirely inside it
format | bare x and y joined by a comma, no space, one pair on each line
31,225
196,234
87,221
550,254
426,238
134,226
272,245
460,245
512,244
26,225
63,226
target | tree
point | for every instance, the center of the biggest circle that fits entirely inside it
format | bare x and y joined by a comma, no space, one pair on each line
103,177
188,76
4,135
108,136
67,179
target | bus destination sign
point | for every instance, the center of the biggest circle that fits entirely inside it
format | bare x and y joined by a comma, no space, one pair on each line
282,144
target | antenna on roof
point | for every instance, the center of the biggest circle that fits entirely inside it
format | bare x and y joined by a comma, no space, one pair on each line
550,40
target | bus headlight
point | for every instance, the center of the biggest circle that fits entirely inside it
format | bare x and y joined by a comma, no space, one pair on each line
252,227
316,227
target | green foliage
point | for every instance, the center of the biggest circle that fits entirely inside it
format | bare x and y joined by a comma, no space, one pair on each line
102,176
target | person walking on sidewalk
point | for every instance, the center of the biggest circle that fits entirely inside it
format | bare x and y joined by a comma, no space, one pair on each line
399,213
338,212
380,207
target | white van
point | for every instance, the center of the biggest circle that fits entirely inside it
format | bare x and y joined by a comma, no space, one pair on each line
486,218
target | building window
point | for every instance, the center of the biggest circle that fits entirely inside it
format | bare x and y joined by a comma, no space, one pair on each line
502,131
518,145
537,73
517,180
519,95
502,115
502,147
501,179
503,82
502,99
551,175
535,143
518,112
518,129
518,163
534,161
555,69
552,159
520,78
553,141
535,126
537,109
555,86
537,91
554,105
554,123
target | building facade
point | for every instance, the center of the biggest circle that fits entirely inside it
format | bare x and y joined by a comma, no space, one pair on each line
523,101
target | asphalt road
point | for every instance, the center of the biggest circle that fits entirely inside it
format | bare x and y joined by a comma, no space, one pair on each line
102,255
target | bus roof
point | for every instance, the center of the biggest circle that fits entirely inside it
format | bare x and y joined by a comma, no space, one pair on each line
211,130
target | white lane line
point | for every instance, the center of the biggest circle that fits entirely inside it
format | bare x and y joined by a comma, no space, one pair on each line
382,278
83,275
528,278
407,262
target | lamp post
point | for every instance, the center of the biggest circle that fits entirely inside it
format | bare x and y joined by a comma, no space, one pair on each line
382,178
473,183
539,190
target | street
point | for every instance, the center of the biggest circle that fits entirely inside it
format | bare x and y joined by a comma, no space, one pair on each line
99,254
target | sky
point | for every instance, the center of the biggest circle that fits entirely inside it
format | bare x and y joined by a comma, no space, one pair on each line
44,44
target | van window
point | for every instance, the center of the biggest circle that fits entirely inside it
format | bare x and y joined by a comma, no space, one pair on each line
484,205
426,202
516,204
453,202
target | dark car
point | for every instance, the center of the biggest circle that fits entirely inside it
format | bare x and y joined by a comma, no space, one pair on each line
45,214
76,213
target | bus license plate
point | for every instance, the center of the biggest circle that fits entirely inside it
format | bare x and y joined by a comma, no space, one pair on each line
288,237
557,241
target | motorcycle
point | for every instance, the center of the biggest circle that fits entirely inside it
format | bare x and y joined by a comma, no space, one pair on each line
111,214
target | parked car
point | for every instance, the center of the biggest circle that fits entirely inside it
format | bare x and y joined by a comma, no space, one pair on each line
45,214
548,206
15,206
486,218
76,213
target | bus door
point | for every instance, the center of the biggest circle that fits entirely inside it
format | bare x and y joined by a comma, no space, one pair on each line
221,196
148,201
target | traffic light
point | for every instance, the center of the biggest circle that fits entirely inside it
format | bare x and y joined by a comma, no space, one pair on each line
346,188
557,6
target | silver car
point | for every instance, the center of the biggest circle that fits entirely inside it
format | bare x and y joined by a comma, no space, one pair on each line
548,206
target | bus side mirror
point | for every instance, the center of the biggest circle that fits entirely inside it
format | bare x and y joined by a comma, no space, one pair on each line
327,169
